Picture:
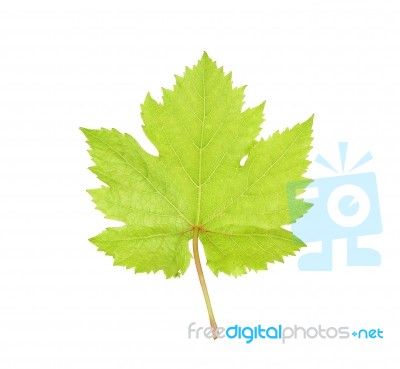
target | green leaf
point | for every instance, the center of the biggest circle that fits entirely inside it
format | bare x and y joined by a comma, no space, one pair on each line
201,132
196,188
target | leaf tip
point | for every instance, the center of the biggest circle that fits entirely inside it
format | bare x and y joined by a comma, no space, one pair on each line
310,120
205,58
84,130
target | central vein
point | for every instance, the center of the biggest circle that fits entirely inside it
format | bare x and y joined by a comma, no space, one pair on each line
201,150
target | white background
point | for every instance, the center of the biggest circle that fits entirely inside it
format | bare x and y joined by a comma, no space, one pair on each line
66,64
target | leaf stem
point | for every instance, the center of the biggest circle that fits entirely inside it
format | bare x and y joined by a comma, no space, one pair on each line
213,323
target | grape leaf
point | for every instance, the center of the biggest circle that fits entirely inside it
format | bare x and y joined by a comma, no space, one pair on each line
196,188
